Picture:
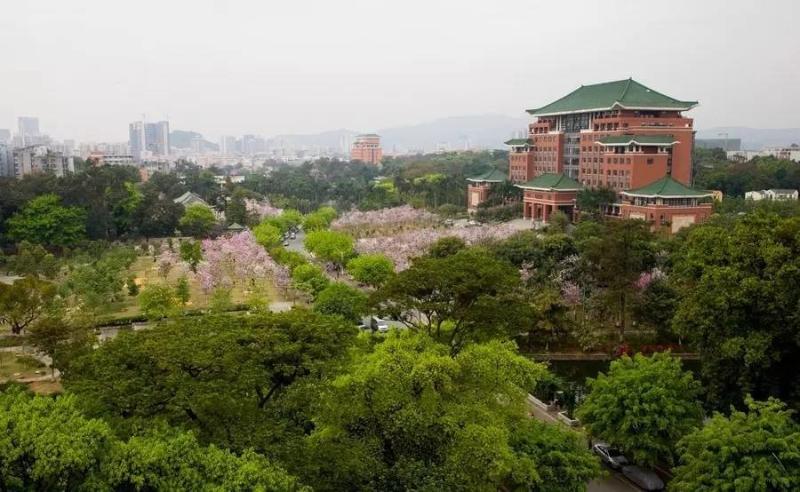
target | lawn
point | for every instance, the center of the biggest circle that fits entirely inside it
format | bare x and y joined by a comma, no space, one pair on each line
145,272
15,366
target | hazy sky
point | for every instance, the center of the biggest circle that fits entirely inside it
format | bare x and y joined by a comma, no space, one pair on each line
87,68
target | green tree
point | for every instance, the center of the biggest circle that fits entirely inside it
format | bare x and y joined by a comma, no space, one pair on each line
236,210
62,339
239,382
342,300
168,460
157,301
198,220
192,253
373,270
221,300
446,246
288,219
408,416
267,235
133,287
182,291
615,260
321,219
738,306
24,301
747,451
468,296
331,246
643,406
46,444
309,278
593,201
44,220
558,222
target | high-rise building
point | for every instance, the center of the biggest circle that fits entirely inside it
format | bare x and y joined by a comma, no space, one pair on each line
40,159
148,139
136,140
6,160
367,148
28,129
227,145
5,136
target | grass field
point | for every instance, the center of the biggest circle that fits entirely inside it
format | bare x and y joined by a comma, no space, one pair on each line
15,366
145,271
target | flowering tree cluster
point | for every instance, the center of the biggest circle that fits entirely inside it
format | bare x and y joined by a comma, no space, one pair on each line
371,222
261,208
235,259
402,247
648,277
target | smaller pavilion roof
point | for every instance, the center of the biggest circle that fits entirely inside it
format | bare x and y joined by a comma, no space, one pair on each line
491,176
552,182
519,141
642,140
667,187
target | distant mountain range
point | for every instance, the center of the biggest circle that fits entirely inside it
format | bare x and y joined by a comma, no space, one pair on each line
755,138
454,133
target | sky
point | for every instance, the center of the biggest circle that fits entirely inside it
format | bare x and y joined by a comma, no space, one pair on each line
87,68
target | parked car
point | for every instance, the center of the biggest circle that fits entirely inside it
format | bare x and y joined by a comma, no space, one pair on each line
285,242
645,479
378,324
292,236
610,456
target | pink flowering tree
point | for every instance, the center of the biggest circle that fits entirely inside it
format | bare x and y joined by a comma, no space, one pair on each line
386,220
261,208
401,248
166,261
235,260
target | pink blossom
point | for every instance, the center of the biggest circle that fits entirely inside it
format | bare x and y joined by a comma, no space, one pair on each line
647,278
403,247
166,260
366,223
228,261
571,293
261,208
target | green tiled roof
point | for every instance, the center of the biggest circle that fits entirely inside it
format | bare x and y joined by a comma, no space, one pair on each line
519,141
626,94
667,187
638,140
552,182
493,176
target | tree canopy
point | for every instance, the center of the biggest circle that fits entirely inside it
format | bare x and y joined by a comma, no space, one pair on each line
746,451
408,416
198,220
43,220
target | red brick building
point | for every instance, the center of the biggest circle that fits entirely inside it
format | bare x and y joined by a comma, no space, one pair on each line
666,204
620,135
367,148
480,187
548,193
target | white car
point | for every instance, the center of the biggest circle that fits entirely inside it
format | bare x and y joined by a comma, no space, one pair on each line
378,324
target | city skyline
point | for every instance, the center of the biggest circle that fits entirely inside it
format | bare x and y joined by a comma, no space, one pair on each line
278,70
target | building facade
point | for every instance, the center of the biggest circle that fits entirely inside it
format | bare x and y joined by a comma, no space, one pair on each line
773,194
367,149
666,204
615,134
146,140
618,135
480,187
40,159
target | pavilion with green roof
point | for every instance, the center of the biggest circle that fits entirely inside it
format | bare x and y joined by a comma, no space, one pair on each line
479,187
607,96
666,203
548,193
492,176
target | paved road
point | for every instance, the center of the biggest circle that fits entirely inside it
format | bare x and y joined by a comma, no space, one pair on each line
612,482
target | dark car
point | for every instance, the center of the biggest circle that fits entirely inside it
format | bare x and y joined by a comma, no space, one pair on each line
610,456
645,479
